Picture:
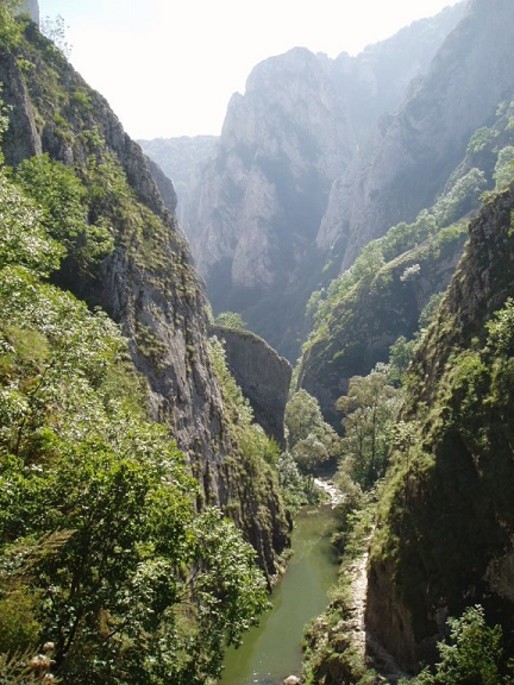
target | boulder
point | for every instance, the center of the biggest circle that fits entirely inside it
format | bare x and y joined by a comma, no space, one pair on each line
292,680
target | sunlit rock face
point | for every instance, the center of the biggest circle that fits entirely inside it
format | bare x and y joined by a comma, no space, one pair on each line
415,151
254,216
261,199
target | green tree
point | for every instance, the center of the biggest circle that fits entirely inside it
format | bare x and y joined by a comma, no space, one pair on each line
400,355
369,410
302,416
504,169
311,441
473,654
101,547
63,200
11,28
231,320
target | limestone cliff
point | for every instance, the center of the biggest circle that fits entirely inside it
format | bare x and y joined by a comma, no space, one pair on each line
261,199
414,154
147,284
254,217
164,186
446,530
362,313
262,375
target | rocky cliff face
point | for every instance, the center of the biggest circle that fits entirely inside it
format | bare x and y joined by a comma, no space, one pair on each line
413,156
147,284
182,160
263,376
261,199
254,217
164,186
362,310
376,81
444,539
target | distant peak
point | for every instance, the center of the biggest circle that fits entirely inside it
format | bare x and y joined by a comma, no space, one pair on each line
31,7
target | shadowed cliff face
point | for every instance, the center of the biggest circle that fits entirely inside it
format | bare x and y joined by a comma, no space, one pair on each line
262,375
445,535
147,284
364,324
413,156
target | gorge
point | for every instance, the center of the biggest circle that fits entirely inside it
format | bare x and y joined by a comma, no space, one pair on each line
157,457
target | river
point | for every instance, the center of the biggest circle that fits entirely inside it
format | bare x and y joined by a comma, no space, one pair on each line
272,650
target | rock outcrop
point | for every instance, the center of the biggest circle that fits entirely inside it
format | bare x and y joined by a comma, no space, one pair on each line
261,199
363,324
413,155
445,537
255,215
148,284
164,186
262,375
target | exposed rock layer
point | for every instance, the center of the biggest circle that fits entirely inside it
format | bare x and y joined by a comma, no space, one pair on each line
364,324
255,215
414,155
262,375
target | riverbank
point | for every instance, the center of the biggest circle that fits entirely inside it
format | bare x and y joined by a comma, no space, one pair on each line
334,493
336,643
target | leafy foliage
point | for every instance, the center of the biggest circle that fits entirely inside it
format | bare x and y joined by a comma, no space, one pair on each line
100,546
369,408
472,654
62,196
504,169
311,441
11,28
231,320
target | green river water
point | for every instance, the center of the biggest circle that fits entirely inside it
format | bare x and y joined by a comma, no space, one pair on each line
271,651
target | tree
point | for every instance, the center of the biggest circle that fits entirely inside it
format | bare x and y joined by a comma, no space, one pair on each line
231,320
311,440
63,201
54,28
101,547
302,416
504,169
369,409
473,655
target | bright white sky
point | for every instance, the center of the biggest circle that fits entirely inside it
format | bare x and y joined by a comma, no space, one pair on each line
169,67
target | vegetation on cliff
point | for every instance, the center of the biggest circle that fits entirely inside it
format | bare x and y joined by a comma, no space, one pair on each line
446,515
100,547
103,549
380,298
441,522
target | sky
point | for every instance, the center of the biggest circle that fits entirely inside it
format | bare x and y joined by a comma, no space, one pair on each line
169,67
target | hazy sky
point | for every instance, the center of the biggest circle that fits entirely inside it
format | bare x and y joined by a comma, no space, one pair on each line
169,67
